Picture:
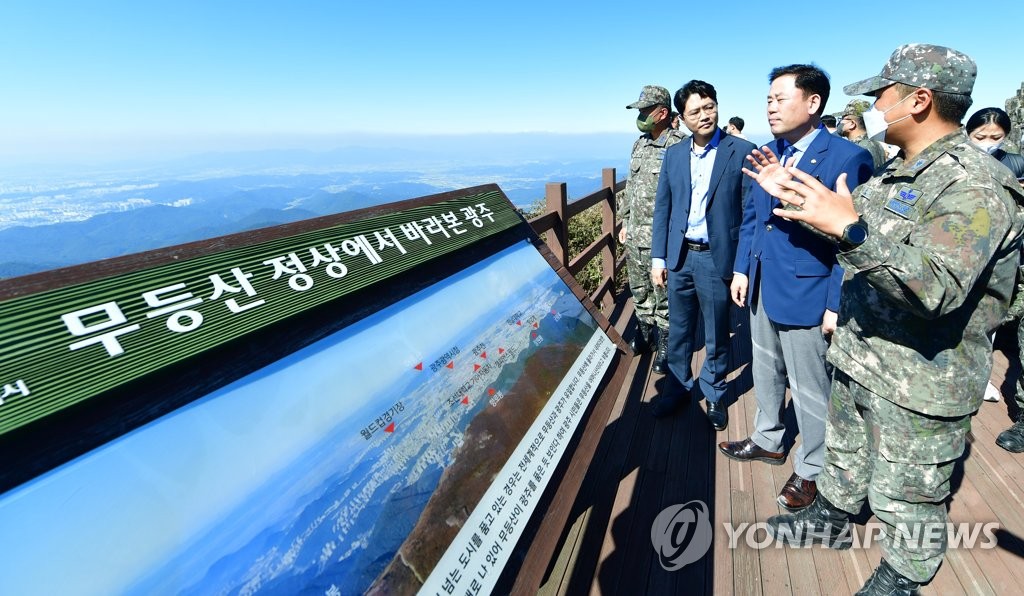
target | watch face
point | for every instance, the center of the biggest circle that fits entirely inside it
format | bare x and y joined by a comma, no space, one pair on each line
856,234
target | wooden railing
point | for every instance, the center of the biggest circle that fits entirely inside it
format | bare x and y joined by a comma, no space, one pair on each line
556,218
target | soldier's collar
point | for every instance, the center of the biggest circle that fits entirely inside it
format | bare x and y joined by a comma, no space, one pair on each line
662,138
901,167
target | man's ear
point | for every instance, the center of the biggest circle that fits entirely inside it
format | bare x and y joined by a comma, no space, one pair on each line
921,101
814,102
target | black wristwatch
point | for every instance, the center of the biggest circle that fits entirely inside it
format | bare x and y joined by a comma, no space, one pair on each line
853,235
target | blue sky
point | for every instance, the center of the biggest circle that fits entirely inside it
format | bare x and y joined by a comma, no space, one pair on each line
115,79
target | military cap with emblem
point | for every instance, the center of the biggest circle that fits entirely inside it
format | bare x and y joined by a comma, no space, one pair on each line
652,95
856,107
922,65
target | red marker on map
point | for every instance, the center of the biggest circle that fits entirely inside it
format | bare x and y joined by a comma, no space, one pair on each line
465,399
554,312
533,334
535,325
390,428
483,354
476,367
419,366
490,391
520,323
450,365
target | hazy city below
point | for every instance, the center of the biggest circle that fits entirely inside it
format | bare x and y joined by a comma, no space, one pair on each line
56,215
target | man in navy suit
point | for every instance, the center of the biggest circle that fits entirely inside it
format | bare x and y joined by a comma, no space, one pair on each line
698,210
791,279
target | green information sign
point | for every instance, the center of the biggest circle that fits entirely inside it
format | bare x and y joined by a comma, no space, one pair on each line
61,347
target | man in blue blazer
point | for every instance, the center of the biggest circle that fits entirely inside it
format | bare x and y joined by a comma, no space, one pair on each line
698,210
791,279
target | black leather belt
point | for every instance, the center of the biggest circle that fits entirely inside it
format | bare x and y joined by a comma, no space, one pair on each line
697,246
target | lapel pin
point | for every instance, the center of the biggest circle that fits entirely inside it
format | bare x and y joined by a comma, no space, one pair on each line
813,161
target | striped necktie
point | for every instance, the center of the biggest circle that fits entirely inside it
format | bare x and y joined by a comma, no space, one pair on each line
787,154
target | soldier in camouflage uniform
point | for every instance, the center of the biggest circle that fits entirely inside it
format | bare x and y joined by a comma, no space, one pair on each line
930,265
851,127
636,212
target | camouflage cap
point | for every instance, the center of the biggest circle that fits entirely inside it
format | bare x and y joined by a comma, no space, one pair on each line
922,65
652,95
856,107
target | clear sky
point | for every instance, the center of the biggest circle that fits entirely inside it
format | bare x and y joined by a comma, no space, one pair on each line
130,78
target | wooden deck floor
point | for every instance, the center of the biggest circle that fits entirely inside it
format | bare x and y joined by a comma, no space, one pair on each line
644,465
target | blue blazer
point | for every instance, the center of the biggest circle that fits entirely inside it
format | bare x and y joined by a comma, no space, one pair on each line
727,194
799,274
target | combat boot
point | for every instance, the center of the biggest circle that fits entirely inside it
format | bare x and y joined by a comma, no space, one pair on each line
887,581
661,359
641,338
1012,439
820,522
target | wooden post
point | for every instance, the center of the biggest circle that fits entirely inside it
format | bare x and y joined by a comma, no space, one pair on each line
608,227
557,199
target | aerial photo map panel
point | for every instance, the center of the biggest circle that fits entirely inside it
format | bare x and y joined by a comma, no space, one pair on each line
404,453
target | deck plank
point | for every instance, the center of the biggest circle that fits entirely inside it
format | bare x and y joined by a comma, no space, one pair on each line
747,577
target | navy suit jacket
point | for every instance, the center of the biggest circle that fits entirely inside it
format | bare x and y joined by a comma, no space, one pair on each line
727,194
799,274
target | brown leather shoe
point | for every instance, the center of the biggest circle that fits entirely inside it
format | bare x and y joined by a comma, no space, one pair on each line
797,493
747,450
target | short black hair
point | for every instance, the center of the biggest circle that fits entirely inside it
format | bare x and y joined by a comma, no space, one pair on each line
737,122
701,88
989,116
829,120
809,78
951,107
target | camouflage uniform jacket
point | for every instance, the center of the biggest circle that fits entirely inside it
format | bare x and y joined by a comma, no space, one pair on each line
874,148
933,279
637,208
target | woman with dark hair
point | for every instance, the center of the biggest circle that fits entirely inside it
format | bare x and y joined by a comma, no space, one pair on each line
987,129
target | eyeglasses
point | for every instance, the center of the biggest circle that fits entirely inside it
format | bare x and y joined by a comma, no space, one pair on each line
708,108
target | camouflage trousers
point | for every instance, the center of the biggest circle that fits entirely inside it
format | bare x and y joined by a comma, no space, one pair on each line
901,461
650,301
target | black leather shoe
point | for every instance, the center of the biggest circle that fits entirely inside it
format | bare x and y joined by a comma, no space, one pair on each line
820,523
668,404
641,338
797,493
1012,439
718,414
747,450
661,359
886,580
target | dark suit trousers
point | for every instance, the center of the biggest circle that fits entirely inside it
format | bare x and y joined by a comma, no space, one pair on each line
697,290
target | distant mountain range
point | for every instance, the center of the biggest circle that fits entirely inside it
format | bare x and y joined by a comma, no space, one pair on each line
77,221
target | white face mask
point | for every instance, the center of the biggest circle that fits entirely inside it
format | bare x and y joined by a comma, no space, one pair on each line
875,123
990,148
